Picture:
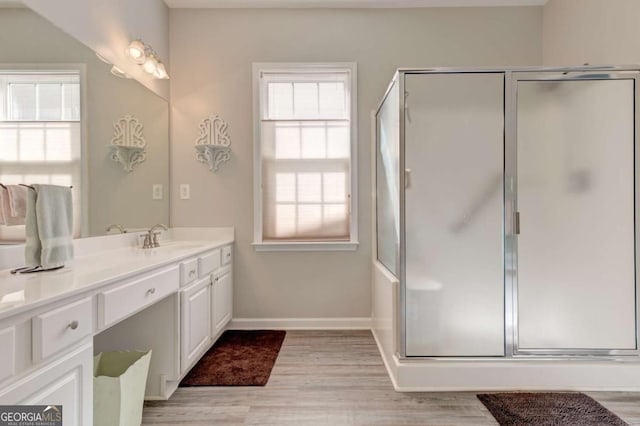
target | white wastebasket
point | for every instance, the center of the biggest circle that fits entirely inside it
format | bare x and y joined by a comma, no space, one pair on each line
119,381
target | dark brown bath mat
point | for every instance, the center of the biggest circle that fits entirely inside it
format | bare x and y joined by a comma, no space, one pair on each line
548,409
238,358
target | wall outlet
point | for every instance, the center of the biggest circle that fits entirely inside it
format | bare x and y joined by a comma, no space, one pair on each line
185,191
156,192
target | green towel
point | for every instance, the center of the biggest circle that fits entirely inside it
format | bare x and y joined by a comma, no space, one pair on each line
32,248
54,215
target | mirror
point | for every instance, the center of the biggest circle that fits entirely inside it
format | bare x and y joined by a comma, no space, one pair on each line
59,104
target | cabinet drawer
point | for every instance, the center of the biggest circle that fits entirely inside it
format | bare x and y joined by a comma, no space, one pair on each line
227,255
188,271
127,299
61,328
8,353
208,262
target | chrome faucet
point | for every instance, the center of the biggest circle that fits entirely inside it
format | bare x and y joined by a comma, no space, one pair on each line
151,238
119,227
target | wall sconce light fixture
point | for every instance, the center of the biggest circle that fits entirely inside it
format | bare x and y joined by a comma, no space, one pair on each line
212,146
128,144
114,69
135,51
118,72
143,55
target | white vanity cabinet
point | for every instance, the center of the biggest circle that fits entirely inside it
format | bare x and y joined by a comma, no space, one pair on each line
195,306
163,300
206,305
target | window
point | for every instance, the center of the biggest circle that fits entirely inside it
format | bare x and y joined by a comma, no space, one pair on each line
305,138
40,133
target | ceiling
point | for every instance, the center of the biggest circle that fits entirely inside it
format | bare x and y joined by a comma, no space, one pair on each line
346,3
329,3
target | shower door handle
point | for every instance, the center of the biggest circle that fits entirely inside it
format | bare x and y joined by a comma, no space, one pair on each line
516,223
407,178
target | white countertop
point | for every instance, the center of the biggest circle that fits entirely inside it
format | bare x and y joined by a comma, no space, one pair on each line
22,292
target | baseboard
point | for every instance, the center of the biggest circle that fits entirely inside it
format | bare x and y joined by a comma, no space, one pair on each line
390,371
508,375
300,323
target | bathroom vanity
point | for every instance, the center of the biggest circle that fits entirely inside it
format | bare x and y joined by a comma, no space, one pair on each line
175,299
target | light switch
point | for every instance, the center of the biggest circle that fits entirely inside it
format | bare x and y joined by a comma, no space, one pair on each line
185,191
156,192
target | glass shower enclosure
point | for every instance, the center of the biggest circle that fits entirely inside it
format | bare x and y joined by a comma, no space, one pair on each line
505,206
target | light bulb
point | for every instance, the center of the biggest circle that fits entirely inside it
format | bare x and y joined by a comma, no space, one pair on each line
161,71
136,51
150,64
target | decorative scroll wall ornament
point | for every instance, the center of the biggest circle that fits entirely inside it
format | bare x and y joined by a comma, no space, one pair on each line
128,144
212,145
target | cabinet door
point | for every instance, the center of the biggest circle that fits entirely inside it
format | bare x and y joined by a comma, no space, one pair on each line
222,300
196,323
67,381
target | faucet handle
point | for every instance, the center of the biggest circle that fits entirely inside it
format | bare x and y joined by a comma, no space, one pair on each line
147,241
155,242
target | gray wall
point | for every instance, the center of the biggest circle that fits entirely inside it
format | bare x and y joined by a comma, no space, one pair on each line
115,196
598,32
211,56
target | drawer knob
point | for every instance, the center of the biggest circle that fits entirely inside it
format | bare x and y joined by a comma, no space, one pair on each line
152,290
192,273
73,324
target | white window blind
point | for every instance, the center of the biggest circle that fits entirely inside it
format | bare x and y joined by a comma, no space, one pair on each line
40,133
41,97
305,146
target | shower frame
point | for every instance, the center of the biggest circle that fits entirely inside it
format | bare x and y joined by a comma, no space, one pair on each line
512,76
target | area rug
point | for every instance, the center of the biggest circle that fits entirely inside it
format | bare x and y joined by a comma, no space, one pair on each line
238,358
547,409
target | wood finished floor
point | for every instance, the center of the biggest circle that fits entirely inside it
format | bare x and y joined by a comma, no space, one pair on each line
336,378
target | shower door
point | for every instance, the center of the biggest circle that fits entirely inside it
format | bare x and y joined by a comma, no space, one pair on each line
573,221
453,214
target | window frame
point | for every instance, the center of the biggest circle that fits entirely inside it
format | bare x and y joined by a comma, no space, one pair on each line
311,245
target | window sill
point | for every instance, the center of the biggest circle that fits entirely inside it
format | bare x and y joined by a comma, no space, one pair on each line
306,246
